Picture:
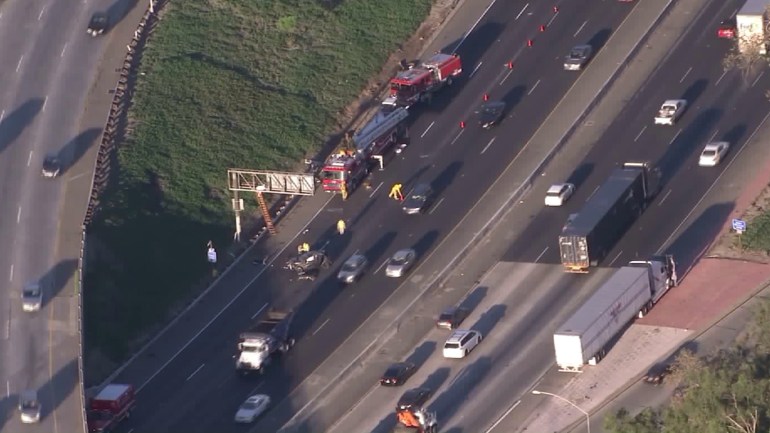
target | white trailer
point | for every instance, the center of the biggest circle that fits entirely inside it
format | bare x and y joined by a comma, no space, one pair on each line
630,292
751,26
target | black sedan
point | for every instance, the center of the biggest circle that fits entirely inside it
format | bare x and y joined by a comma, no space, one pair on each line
397,374
98,24
51,166
414,398
418,199
491,113
452,317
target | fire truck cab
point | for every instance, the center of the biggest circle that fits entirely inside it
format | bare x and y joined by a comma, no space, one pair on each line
417,83
347,168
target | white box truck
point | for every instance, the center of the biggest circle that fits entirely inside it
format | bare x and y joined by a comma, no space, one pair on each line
750,25
630,292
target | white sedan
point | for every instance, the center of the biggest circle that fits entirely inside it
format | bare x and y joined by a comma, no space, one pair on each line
558,194
713,153
252,408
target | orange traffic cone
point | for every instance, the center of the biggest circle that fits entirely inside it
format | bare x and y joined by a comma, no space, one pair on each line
530,43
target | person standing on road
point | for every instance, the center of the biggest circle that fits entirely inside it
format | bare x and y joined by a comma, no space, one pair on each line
341,226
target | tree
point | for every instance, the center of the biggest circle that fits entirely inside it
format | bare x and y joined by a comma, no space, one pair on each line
747,55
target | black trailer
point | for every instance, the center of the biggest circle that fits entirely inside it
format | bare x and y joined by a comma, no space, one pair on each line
607,215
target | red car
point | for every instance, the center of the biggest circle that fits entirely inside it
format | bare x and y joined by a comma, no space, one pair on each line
726,29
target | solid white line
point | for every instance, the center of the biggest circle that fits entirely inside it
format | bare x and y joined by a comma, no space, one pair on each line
2,114
7,388
664,197
63,50
552,18
427,129
510,71
375,190
41,14
259,311
734,13
322,325
616,257
581,28
70,179
488,144
465,36
640,133
675,137
194,372
29,158
433,209
476,69
541,255
352,409
499,420
18,215
522,11
758,77
533,88
10,278
712,136
593,192
383,264
458,136
45,102
720,78
18,65
685,75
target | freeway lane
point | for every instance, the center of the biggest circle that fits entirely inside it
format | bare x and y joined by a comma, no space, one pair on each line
48,68
212,392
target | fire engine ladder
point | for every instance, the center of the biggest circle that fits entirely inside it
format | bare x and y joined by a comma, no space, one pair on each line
366,137
265,213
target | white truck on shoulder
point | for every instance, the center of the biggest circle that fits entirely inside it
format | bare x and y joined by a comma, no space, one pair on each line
267,338
630,292
670,112
751,26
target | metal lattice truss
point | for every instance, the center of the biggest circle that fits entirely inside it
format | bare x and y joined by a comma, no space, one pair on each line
273,182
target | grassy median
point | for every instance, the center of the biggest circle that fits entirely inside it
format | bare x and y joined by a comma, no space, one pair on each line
247,83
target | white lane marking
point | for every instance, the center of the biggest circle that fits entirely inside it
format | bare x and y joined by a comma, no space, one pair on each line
533,88
541,255
18,215
194,372
18,65
7,388
758,77
616,257
593,192
433,209
476,69
45,102
274,257
383,264
63,50
29,158
685,75
499,420
510,71
375,190
8,327
427,129
322,325
581,28
458,136
675,137
262,308
2,114
552,18
77,176
522,11
465,36
40,16
664,197
488,144
712,136
10,277
734,13
352,409
720,78
640,133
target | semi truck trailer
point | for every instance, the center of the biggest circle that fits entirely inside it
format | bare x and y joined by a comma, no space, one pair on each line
630,292
751,26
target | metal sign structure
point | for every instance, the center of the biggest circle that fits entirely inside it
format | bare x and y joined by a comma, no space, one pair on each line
261,182
739,225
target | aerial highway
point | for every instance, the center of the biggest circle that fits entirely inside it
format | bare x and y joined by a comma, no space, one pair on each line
196,388
527,296
48,71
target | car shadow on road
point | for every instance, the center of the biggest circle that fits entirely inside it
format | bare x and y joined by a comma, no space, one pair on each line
56,390
512,99
489,319
14,123
461,387
581,173
378,249
422,353
436,379
599,39
444,179
424,244
7,408
474,298
119,10
693,242
71,153
56,279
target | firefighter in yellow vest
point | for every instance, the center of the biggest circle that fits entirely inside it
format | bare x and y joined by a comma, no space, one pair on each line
395,192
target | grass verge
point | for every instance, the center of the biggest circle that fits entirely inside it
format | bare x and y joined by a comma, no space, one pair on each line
228,83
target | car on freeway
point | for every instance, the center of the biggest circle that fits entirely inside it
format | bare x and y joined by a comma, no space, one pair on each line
29,407
252,408
31,297
670,112
352,269
713,154
98,24
558,194
397,374
400,263
452,317
461,343
657,374
418,199
570,218
491,113
51,166
415,397
727,29
578,57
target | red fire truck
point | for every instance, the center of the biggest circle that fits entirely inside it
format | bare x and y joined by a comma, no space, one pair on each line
349,166
417,84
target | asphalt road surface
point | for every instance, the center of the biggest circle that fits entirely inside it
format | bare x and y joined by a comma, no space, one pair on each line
198,389
48,68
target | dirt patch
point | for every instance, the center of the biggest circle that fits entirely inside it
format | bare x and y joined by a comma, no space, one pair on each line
729,245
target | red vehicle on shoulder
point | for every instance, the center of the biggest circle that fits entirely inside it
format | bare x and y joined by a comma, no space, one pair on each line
111,405
726,29
418,83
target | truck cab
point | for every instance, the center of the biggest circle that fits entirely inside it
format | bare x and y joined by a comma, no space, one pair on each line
109,407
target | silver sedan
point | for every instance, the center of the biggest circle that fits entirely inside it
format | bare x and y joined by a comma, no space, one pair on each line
400,263
352,269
